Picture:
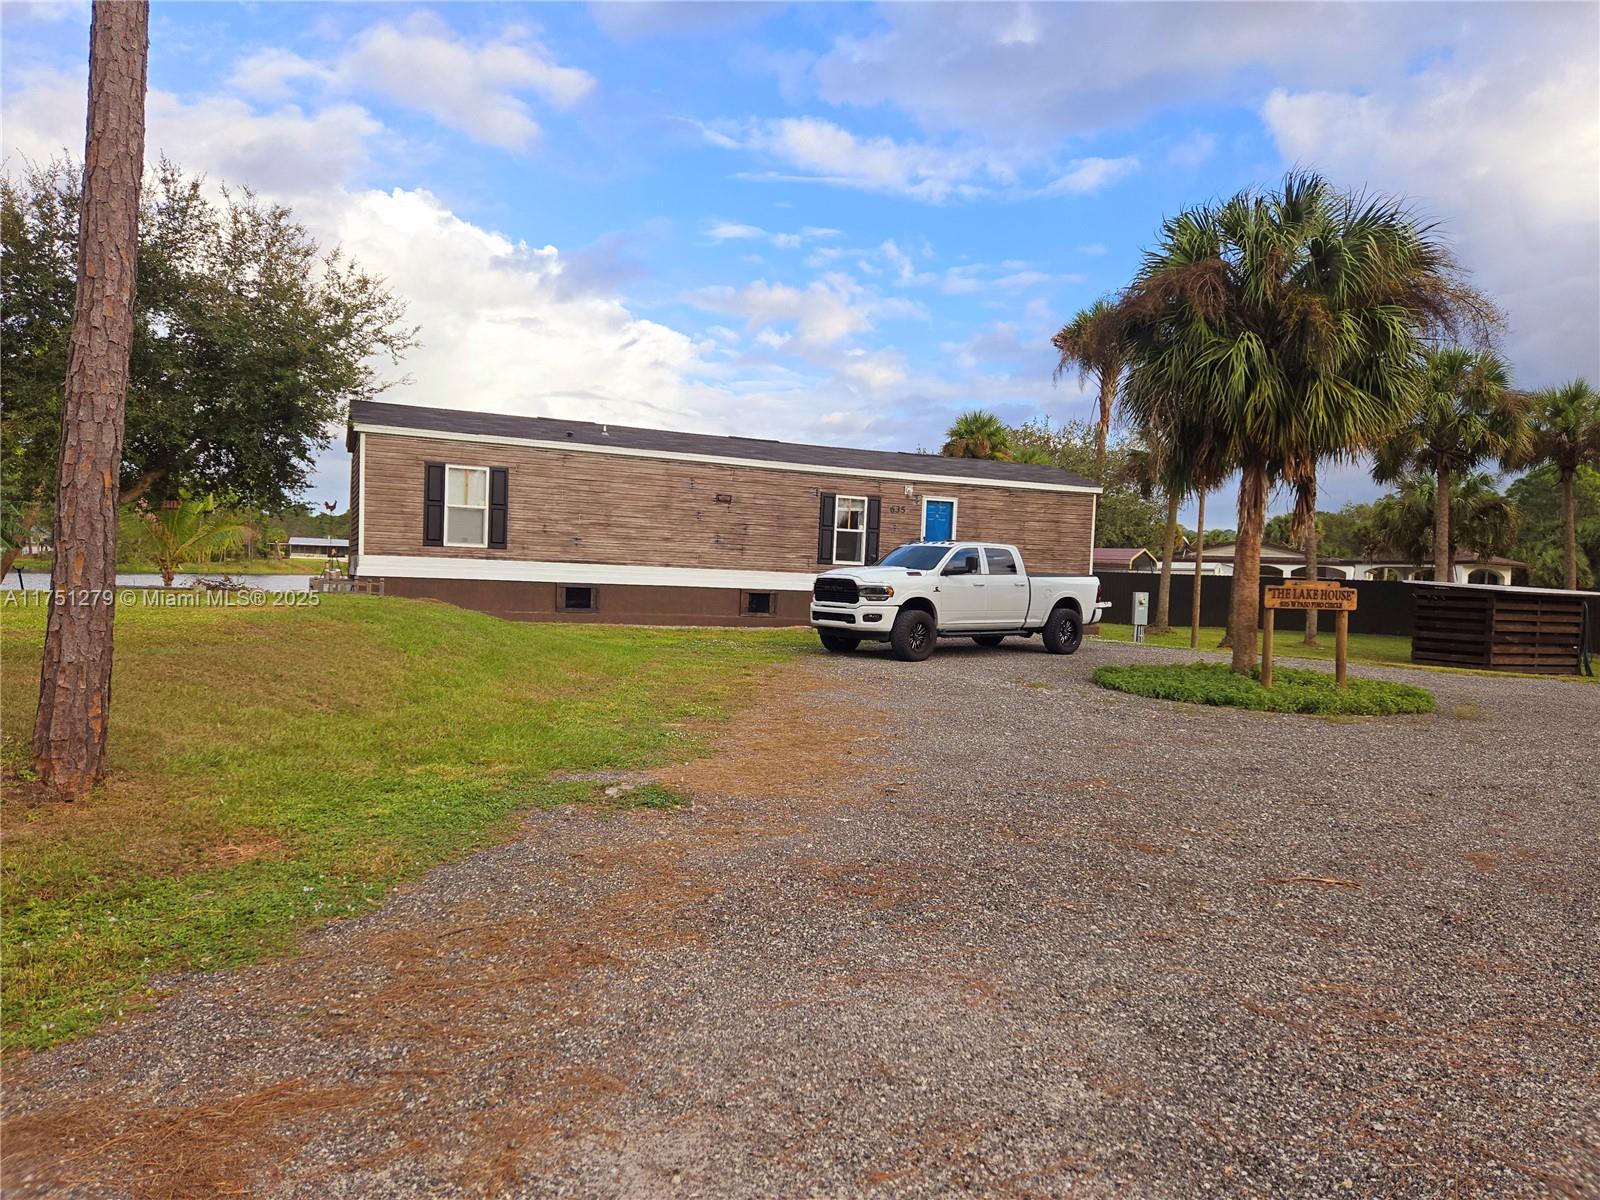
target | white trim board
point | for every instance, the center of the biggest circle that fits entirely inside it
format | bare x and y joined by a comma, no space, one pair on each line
719,460
416,566
361,499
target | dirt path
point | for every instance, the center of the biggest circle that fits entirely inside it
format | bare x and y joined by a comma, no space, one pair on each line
973,926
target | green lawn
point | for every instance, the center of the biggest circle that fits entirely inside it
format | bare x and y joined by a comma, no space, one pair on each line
272,768
254,566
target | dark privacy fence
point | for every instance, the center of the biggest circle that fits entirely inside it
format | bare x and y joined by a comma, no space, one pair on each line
1381,607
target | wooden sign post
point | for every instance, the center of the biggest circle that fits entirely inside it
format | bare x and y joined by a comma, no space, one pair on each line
1321,594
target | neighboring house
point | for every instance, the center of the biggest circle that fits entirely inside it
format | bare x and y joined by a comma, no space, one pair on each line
305,547
1123,558
536,517
1279,561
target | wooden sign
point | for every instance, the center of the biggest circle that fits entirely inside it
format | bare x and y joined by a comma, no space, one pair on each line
1322,594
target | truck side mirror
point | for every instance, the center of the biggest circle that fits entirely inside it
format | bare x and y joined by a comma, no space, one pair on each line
962,566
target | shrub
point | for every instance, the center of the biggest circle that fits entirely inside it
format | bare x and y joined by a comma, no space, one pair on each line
1295,691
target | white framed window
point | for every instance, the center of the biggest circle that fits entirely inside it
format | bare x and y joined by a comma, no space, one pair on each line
466,506
850,530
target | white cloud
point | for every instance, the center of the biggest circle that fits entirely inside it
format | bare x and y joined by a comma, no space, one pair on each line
284,150
1193,150
820,151
732,231
1513,174
728,231
814,150
269,74
964,279
421,64
1084,176
1017,72
825,312
875,369
630,20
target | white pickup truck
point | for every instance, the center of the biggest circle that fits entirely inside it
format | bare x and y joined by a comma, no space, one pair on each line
926,590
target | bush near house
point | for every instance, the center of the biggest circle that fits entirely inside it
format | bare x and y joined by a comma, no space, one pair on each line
1292,691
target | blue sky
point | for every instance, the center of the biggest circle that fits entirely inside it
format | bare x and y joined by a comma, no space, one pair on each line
840,223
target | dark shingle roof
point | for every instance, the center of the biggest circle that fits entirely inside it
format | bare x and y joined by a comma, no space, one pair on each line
552,429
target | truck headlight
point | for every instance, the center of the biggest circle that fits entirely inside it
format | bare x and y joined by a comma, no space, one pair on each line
876,591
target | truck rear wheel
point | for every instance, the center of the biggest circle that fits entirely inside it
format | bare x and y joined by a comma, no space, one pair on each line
1063,632
913,635
990,639
838,643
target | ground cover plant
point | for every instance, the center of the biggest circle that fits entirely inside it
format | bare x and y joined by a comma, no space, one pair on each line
1292,691
274,767
1375,649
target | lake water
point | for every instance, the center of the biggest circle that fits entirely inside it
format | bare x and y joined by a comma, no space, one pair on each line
39,581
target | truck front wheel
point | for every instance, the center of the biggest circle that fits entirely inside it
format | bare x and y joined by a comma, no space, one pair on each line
1063,632
913,635
835,643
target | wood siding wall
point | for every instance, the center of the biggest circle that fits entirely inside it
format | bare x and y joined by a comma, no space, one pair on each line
573,506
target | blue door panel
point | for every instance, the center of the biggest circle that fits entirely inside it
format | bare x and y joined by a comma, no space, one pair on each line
939,519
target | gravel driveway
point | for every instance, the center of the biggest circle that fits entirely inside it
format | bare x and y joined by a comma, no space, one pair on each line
971,926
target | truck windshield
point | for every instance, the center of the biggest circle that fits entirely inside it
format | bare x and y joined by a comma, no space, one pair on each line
918,556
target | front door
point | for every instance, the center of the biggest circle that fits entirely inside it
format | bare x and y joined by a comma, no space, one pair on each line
938,520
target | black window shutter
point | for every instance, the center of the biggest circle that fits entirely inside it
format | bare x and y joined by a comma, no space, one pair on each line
498,488
874,505
433,504
825,528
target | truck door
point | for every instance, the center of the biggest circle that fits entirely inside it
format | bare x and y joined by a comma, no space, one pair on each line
1007,589
962,594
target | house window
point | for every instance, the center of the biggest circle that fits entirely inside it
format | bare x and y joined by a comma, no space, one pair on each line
1483,576
577,598
466,506
850,530
758,604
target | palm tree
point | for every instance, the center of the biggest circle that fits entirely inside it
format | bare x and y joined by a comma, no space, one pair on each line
1468,415
1295,321
192,531
1481,521
977,434
1035,455
1301,472
1564,430
1093,341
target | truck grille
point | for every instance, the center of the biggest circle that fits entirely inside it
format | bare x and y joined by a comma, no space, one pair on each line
835,588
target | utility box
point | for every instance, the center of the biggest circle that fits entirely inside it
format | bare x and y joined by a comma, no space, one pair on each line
1141,614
